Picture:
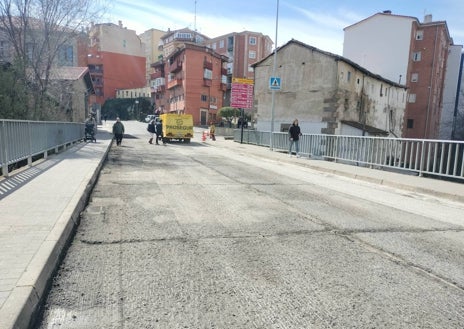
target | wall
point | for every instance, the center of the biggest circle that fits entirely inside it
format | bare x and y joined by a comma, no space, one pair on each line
308,90
449,92
320,89
381,44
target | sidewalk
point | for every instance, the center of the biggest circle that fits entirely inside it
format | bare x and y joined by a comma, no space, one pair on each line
37,219
401,180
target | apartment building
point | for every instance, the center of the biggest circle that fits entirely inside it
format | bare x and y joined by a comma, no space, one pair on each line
116,60
243,50
410,52
153,52
190,80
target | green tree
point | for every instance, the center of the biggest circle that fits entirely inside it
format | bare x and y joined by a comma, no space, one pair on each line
126,108
13,104
228,113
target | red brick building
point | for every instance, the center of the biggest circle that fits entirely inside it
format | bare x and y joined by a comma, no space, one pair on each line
430,42
190,80
243,50
116,60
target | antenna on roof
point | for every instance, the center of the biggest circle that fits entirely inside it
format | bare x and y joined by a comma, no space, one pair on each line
195,18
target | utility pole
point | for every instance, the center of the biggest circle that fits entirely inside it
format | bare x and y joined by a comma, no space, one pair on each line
271,144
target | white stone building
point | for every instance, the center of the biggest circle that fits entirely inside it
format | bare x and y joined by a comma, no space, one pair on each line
327,93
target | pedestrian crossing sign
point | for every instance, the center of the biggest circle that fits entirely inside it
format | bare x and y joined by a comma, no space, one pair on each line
274,83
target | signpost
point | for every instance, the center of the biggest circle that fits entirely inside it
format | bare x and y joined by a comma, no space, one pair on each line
242,97
242,93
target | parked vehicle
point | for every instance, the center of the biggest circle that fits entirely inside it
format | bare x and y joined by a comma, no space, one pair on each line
177,127
149,117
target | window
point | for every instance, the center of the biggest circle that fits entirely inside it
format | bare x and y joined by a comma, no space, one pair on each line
252,40
30,48
3,48
416,56
412,98
252,54
414,77
420,35
348,76
410,124
208,74
204,98
221,44
65,55
213,46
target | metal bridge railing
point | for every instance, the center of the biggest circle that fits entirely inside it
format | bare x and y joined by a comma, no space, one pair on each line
21,140
441,158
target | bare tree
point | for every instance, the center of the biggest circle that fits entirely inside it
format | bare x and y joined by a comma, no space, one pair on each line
39,31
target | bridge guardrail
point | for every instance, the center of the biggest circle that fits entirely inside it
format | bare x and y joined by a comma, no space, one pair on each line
440,158
21,139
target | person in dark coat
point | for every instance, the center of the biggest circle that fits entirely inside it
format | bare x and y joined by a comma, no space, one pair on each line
152,130
294,134
159,130
118,131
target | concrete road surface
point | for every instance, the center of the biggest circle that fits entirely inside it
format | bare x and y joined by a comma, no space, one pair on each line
208,235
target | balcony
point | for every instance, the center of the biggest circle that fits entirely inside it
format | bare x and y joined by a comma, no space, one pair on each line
160,89
174,83
207,82
208,65
156,75
175,67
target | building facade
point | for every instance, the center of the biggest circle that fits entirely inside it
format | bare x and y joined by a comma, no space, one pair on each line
116,60
327,93
414,53
153,52
190,80
243,50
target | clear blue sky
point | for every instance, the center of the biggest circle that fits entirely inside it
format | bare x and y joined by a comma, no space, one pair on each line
318,23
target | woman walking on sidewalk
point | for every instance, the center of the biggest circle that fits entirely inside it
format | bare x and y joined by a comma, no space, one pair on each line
294,134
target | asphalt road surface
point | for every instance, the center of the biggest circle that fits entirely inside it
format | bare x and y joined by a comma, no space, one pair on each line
207,235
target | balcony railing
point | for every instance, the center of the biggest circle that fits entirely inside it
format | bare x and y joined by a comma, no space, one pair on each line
160,89
207,82
175,82
175,67
208,65
156,75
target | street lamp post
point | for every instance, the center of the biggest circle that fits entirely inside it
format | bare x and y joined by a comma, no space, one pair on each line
137,117
271,144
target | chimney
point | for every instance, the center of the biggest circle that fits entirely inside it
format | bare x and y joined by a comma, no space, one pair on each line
428,18
120,24
388,12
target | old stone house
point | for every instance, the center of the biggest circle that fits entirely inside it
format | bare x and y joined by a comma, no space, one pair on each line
327,93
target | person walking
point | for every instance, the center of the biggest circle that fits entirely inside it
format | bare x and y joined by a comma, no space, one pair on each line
118,131
159,131
294,134
212,131
151,129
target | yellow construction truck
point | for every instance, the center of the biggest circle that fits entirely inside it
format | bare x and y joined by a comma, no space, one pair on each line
177,127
